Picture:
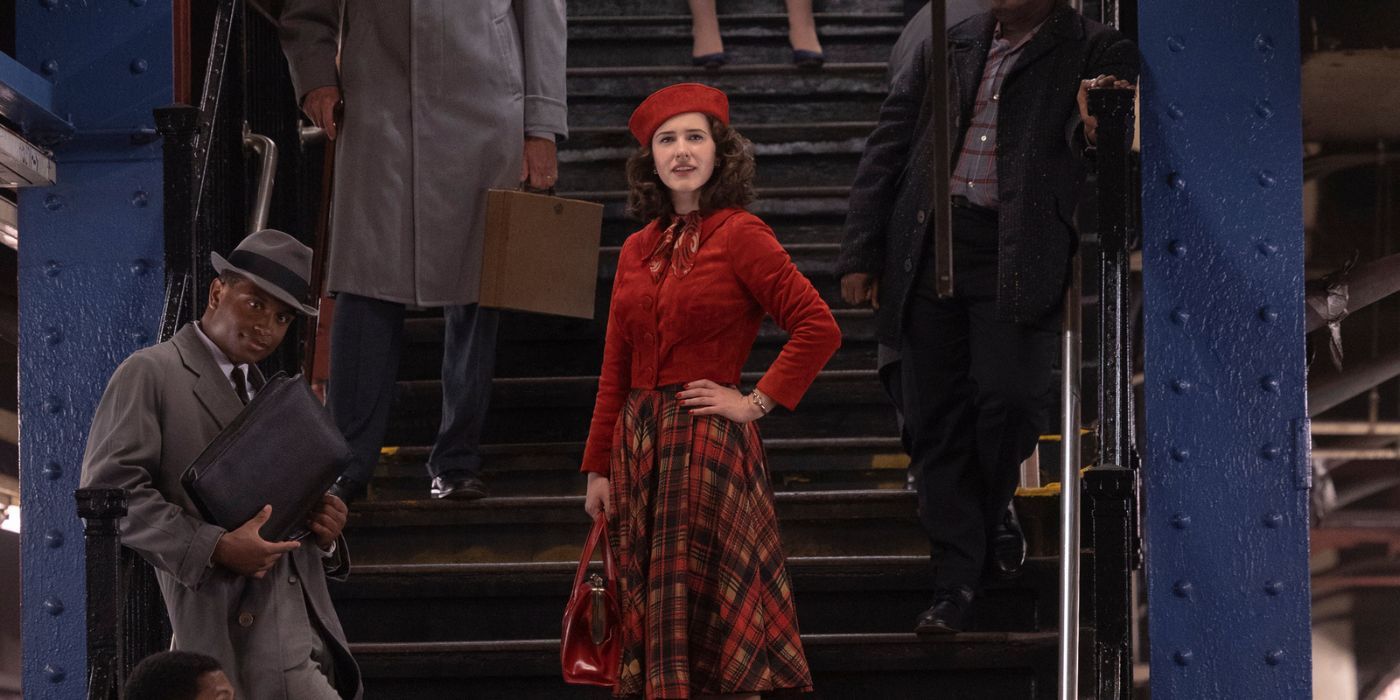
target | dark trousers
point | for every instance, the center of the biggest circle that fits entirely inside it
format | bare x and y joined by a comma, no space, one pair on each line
365,341
975,392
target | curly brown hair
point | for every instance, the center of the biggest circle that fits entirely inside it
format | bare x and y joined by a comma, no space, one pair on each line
731,184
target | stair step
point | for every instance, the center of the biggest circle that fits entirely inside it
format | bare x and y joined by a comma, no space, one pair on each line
473,602
552,469
552,528
758,93
840,403
970,665
749,38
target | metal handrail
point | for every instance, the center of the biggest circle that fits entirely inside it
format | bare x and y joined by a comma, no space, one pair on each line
1071,350
266,151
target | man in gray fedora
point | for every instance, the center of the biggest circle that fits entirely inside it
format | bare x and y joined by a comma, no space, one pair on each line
260,608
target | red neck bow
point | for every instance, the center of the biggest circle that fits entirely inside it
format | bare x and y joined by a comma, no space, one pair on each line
677,247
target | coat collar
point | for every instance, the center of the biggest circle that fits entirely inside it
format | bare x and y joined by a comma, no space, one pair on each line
211,387
972,38
708,225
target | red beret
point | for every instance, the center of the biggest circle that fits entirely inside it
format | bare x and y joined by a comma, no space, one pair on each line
680,98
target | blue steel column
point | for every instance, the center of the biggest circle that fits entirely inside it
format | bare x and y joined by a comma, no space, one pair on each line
1227,450
90,271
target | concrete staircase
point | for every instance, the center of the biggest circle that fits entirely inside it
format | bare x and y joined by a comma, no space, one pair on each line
463,600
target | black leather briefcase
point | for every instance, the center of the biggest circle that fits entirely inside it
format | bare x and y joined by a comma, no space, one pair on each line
282,450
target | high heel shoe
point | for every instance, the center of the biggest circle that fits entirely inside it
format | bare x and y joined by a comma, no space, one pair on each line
808,60
710,61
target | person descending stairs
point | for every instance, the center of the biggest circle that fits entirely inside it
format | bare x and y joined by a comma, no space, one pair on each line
455,599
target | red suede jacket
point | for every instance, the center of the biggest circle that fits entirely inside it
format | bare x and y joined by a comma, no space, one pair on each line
703,325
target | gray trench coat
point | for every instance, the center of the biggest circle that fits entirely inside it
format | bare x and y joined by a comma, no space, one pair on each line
161,408
438,99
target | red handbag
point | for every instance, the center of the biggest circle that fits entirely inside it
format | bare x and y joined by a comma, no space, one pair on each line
590,649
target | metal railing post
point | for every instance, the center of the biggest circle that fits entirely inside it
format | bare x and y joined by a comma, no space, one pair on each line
102,511
1070,352
1111,486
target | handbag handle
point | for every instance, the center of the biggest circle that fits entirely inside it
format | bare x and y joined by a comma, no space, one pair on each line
597,535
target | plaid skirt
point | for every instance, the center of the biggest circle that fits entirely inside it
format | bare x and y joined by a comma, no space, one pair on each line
705,598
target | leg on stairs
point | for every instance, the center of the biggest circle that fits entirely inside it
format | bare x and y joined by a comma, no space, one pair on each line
468,362
365,343
704,29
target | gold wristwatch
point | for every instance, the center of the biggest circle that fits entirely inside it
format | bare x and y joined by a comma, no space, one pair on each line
758,399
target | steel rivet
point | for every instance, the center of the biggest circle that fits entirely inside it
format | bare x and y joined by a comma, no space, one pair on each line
53,405
1182,657
1182,589
1181,521
53,471
1176,248
52,268
49,66
1269,383
1268,451
55,673
53,336
139,198
139,336
1268,314
1180,316
1181,386
1266,179
48,4
1273,520
1264,109
1274,657
1263,44
53,202
53,606
139,66
1176,43
139,267
1174,111
1180,454
138,3
1273,587
1176,181
1267,247
54,539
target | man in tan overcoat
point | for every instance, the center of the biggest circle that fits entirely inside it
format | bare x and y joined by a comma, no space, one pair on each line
260,608
441,101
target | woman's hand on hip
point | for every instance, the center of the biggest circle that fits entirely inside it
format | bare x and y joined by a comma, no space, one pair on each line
596,500
706,398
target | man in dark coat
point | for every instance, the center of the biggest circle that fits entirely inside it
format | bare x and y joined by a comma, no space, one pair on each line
975,375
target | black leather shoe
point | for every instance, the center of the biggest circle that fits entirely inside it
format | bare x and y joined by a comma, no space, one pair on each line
348,490
1006,551
949,614
462,487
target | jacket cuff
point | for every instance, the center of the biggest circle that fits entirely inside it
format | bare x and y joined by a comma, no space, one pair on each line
546,114
782,392
199,556
308,79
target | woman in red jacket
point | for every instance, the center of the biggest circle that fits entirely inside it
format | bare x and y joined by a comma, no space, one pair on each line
673,454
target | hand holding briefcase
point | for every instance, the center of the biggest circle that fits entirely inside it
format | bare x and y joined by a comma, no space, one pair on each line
282,450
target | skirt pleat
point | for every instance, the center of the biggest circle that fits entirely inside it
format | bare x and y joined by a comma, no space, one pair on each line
706,600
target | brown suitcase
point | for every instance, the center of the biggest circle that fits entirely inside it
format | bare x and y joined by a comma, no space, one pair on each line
540,253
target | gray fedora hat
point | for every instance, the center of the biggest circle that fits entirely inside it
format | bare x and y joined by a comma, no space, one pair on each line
279,264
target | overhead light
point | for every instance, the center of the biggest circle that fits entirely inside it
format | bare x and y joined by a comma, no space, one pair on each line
11,521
